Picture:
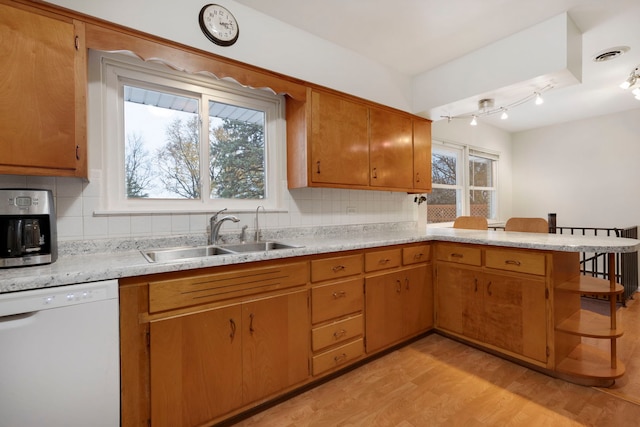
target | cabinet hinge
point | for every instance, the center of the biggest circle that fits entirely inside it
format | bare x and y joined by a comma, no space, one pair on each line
548,351
546,293
148,338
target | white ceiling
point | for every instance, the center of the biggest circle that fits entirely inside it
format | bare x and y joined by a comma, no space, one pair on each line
415,36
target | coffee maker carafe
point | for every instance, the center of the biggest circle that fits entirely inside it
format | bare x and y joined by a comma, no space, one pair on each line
27,228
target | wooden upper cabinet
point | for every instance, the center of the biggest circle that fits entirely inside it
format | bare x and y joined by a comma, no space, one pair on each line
421,155
391,149
43,87
339,140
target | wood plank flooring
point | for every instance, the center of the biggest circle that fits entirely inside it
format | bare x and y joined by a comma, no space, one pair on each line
439,382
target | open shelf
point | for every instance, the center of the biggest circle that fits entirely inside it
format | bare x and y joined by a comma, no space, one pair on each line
588,285
590,362
589,324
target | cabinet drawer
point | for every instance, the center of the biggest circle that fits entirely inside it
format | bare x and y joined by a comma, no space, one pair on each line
459,253
338,356
524,262
334,333
334,268
193,290
380,260
336,299
416,254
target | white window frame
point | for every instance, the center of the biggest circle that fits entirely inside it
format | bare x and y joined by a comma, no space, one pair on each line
463,187
117,70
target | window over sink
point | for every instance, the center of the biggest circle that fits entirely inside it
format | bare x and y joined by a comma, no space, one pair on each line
173,141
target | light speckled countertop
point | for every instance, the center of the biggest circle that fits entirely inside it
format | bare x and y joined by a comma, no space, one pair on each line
71,268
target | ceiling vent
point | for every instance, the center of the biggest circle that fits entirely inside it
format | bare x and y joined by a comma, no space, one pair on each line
611,53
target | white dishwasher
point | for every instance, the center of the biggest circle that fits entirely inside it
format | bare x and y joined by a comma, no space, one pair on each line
59,357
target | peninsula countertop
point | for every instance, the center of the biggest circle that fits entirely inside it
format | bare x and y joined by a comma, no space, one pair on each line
90,267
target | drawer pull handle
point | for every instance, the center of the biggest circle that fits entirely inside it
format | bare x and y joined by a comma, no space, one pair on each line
339,294
512,262
251,330
339,334
384,261
418,255
456,255
398,286
489,289
338,268
340,358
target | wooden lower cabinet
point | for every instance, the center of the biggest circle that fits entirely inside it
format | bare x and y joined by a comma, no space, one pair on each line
196,361
504,311
207,364
399,305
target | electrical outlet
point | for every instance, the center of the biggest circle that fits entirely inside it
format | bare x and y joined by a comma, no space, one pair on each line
351,210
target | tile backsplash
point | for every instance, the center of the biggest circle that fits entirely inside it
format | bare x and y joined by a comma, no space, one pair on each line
76,200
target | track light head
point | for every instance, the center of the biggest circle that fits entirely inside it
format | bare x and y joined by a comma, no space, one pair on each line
631,80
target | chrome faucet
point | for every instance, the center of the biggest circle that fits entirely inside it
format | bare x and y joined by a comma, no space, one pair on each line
216,223
257,237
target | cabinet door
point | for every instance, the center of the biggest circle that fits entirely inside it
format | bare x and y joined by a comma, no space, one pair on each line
421,155
43,86
339,141
275,344
452,284
383,310
196,366
514,314
417,295
391,149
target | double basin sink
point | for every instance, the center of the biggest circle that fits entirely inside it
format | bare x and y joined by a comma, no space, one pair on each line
188,252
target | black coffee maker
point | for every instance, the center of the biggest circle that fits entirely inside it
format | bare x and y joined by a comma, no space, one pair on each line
27,227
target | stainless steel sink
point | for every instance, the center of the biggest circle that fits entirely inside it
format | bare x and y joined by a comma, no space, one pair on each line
172,254
189,252
258,247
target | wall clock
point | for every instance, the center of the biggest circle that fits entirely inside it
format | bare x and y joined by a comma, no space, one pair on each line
219,25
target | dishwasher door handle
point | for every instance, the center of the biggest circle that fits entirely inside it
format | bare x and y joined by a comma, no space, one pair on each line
14,321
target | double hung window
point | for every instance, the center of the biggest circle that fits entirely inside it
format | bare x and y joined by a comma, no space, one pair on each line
464,183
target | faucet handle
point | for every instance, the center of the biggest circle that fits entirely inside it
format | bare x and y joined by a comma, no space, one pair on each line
215,215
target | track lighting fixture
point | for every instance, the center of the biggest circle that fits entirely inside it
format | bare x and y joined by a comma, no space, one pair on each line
633,78
486,107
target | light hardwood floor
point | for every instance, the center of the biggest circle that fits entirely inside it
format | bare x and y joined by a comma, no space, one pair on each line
439,382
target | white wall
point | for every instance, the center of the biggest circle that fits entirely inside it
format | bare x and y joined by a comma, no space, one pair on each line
586,171
487,137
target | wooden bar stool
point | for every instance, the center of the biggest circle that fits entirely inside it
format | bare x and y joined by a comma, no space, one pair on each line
529,225
471,222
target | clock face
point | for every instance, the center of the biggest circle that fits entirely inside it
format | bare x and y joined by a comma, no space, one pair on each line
219,25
